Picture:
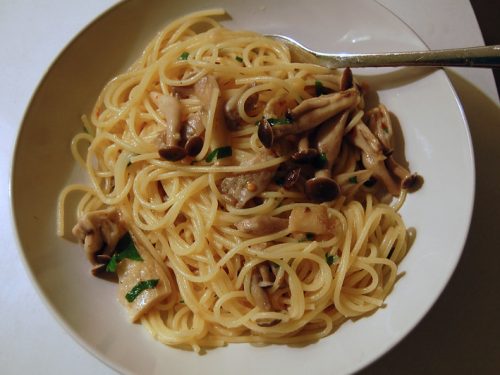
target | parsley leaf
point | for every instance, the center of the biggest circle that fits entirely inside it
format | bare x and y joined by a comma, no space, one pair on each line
330,259
239,59
139,288
219,153
184,56
279,121
353,179
125,248
310,236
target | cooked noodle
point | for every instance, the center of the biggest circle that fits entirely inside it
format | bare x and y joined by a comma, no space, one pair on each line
181,221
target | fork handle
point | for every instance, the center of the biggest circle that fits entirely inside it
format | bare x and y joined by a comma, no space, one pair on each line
479,57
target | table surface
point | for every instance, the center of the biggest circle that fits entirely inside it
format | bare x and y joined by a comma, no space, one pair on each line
459,335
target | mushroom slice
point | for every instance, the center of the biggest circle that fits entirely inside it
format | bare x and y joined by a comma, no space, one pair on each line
351,181
130,274
379,122
372,156
238,190
309,114
313,219
203,89
262,225
346,79
99,232
409,181
259,294
329,137
171,109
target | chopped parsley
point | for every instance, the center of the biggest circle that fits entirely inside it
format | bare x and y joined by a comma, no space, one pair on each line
353,179
219,153
330,259
239,59
184,56
125,249
279,121
320,89
310,236
140,287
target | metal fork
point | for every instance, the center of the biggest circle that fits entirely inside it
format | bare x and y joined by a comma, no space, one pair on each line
475,57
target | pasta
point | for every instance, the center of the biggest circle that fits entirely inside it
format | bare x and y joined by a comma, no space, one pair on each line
238,196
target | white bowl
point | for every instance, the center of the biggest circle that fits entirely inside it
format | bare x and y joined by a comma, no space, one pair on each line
437,145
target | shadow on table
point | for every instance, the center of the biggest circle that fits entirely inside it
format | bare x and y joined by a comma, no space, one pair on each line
460,335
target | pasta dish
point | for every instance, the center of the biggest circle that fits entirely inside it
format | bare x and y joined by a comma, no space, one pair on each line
236,195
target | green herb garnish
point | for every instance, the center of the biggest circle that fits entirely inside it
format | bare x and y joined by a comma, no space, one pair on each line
353,179
320,89
184,56
219,153
310,236
140,287
125,249
239,59
279,121
330,259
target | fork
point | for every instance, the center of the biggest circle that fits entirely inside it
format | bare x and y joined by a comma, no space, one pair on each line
475,57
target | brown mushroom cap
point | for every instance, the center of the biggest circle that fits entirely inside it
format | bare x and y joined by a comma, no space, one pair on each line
305,156
322,189
412,182
172,153
346,81
194,145
265,133
100,272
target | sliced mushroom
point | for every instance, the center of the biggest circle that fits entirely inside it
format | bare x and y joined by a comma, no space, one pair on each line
351,181
130,273
346,79
329,137
379,122
238,190
99,232
266,274
311,220
262,225
259,294
372,156
309,114
171,109
409,181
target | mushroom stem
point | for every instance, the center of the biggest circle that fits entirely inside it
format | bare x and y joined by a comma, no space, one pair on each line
329,138
304,154
170,107
309,114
